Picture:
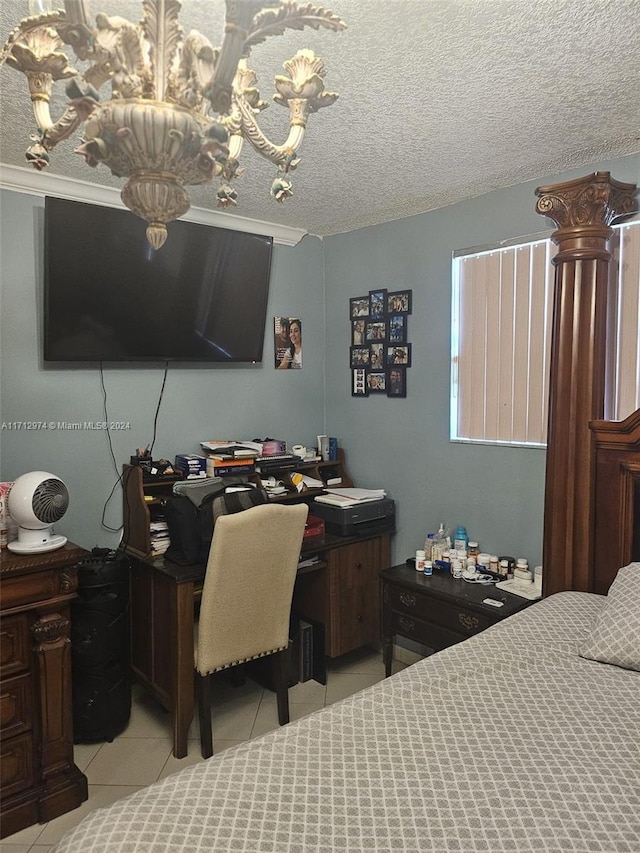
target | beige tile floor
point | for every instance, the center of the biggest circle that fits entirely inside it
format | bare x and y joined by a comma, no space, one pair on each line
142,753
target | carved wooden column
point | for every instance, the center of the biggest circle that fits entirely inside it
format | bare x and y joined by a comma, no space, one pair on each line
583,210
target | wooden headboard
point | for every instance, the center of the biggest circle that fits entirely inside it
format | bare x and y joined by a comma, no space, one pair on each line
617,498
579,457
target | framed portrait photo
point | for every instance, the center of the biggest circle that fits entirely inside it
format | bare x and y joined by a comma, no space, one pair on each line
359,384
397,329
376,359
359,307
375,330
360,356
358,332
399,302
377,380
396,381
377,304
399,354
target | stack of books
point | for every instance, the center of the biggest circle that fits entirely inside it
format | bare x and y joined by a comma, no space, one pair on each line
231,458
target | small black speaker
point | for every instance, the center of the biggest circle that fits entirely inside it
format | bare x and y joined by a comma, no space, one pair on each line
100,654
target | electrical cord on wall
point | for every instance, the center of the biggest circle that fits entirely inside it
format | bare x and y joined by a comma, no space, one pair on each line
120,474
155,420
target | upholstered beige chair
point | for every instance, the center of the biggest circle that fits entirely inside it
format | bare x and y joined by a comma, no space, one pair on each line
246,599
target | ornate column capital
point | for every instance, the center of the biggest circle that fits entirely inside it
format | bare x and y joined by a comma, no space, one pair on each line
596,199
583,210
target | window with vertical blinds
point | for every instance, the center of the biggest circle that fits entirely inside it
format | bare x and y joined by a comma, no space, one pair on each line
501,339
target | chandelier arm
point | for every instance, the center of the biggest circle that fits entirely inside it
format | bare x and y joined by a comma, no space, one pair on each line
238,19
235,145
281,155
42,114
74,115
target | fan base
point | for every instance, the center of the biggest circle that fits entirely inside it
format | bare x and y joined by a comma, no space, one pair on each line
51,544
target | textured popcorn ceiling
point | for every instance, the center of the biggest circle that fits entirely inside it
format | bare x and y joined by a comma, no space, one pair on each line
440,100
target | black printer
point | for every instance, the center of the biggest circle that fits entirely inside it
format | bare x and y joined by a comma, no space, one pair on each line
360,519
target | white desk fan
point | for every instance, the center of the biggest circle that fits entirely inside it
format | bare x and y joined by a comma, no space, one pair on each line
36,501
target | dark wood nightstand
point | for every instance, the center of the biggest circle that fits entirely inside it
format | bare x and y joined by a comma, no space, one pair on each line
437,611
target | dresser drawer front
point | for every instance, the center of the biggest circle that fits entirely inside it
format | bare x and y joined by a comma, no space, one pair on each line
434,636
16,765
15,706
38,586
457,619
14,644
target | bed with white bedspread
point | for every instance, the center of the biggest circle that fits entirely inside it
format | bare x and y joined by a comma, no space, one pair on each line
510,741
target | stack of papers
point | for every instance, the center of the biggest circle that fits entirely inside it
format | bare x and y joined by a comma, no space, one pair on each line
351,497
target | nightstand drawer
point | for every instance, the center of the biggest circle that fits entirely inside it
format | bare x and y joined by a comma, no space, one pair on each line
434,636
455,618
16,765
14,647
15,706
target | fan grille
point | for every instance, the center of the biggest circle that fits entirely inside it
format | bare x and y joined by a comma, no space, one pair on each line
50,500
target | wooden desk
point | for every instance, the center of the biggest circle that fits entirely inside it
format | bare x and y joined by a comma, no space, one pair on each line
341,591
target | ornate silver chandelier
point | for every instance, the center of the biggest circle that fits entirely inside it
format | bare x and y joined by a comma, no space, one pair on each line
179,109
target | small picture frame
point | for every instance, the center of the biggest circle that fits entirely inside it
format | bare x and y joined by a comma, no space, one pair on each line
359,384
376,358
375,330
377,380
397,328
396,381
399,302
399,354
358,332
377,304
359,307
360,357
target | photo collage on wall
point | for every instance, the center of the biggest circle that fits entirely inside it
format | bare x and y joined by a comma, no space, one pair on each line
380,352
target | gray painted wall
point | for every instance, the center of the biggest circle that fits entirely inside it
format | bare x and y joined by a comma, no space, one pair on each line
403,444
399,444
198,404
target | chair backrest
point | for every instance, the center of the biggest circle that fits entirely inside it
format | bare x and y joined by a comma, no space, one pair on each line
248,585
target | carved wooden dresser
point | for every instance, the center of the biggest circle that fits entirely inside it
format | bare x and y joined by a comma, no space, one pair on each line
39,780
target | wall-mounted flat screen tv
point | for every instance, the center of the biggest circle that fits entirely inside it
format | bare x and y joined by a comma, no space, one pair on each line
110,297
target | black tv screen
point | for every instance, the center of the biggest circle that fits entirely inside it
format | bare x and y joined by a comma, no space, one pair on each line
109,296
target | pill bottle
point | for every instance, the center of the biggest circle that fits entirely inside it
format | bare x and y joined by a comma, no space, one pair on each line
503,569
428,567
460,539
473,549
494,567
537,578
511,564
483,562
456,568
420,557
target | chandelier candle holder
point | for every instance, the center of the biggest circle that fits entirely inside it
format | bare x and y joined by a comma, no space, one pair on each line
179,109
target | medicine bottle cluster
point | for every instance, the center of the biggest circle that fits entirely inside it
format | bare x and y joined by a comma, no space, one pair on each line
462,557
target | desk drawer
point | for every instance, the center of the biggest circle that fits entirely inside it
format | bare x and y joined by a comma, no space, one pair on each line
14,646
434,636
15,706
16,765
455,618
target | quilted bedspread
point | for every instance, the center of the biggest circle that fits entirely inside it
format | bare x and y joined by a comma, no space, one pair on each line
507,742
